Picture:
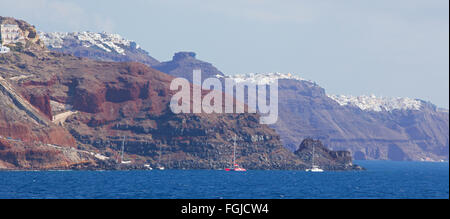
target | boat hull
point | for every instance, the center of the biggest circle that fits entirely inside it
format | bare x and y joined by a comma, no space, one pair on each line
236,169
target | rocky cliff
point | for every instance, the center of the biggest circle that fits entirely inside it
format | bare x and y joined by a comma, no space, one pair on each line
26,134
91,108
387,129
371,128
324,157
112,100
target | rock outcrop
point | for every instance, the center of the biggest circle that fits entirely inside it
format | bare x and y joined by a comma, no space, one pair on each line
183,64
323,157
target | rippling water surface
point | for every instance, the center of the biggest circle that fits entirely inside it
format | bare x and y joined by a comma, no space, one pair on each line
383,179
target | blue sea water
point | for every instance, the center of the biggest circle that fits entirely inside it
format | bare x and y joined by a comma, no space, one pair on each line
383,179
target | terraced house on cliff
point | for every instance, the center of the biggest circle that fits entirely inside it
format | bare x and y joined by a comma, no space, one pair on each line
11,33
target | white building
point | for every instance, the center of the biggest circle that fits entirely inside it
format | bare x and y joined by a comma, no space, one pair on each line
4,49
11,33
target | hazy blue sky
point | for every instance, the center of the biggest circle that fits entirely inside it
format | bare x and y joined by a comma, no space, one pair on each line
382,47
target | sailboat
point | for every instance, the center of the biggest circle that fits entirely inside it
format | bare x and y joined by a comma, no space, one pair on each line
147,166
121,156
235,166
314,168
159,167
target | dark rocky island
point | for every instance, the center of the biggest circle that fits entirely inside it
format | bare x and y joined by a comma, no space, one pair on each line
324,157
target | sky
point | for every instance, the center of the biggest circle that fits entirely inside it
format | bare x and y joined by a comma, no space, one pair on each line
392,48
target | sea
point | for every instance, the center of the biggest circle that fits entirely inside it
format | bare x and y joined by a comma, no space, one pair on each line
381,180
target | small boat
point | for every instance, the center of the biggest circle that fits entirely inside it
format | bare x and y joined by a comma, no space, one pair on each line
148,167
314,168
160,167
235,166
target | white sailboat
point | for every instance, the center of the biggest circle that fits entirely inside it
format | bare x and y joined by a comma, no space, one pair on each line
314,168
159,167
121,156
147,166
235,166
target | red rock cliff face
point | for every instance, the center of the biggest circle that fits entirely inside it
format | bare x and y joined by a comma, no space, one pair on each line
90,95
131,99
41,102
59,136
28,139
89,100
127,91
16,130
27,133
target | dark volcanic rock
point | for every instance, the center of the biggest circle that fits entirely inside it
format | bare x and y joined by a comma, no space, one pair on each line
42,102
323,157
180,56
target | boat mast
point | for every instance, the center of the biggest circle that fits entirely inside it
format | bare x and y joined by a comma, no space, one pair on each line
123,148
234,151
168,162
159,160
